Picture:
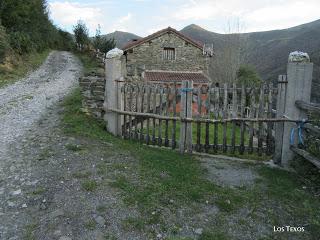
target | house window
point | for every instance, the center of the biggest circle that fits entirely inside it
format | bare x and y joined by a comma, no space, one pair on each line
169,54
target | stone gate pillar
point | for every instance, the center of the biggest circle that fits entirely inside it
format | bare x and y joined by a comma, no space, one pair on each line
299,77
114,71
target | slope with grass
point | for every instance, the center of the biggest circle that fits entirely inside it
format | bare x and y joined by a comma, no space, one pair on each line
12,72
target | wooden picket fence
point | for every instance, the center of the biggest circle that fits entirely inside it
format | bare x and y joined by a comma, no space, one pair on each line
228,119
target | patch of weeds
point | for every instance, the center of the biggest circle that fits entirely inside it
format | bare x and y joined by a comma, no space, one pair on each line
89,185
38,191
119,166
179,238
102,208
134,224
90,225
29,231
109,236
81,174
213,235
74,147
101,168
45,154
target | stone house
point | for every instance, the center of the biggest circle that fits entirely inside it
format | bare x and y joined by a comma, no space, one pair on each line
166,50
167,57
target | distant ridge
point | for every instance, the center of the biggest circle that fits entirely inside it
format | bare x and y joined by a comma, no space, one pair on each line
121,38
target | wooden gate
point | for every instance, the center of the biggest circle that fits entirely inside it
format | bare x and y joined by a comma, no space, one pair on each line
228,119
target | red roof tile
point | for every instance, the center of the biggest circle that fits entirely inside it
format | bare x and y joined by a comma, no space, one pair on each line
159,33
166,76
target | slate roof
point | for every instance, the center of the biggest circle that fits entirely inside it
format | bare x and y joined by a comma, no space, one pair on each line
133,44
170,76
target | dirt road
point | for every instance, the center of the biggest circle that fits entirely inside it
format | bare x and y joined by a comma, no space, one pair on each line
22,105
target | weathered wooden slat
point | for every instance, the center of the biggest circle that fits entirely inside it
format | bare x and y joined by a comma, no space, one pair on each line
304,154
130,107
137,93
154,109
160,113
225,115
198,146
208,116
260,124
313,107
189,115
148,111
234,115
269,141
216,116
183,113
124,126
174,122
252,113
142,91
279,127
167,91
242,126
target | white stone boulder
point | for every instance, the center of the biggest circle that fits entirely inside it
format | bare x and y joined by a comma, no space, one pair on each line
299,57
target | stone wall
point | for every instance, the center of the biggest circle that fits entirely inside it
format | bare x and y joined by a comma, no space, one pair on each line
149,56
92,90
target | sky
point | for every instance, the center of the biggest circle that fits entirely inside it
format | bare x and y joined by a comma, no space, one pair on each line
144,17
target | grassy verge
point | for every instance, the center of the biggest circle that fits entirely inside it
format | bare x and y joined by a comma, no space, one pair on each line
12,73
89,63
168,182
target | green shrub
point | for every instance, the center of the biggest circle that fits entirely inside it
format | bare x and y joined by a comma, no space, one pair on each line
21,42
4,44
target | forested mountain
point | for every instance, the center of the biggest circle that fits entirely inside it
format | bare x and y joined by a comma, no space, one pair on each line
25,27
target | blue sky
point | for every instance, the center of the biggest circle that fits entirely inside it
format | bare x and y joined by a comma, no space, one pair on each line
143,17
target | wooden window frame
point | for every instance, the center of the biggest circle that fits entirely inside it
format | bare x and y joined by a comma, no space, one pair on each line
169,57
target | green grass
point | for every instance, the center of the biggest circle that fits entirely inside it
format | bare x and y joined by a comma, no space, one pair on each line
220,128
81,174
38,191
89,63
89,185
90,225
10,74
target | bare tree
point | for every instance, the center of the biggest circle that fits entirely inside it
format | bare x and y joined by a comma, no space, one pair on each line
229,55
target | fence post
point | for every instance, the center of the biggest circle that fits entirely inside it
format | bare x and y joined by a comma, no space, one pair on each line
299,76
281,103
114,72
186,112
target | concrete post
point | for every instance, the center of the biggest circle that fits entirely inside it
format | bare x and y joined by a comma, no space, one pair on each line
299,76
114,74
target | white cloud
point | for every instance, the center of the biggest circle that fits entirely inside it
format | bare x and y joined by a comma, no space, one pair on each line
123,23
68,13
283,15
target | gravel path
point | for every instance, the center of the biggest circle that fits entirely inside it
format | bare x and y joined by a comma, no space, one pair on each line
22,105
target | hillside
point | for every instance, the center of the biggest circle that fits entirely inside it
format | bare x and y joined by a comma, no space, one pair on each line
121,38
268,51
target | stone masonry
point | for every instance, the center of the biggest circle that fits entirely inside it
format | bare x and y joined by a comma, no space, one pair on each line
92,90
149,56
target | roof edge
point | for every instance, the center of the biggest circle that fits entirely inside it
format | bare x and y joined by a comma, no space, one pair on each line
159,33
